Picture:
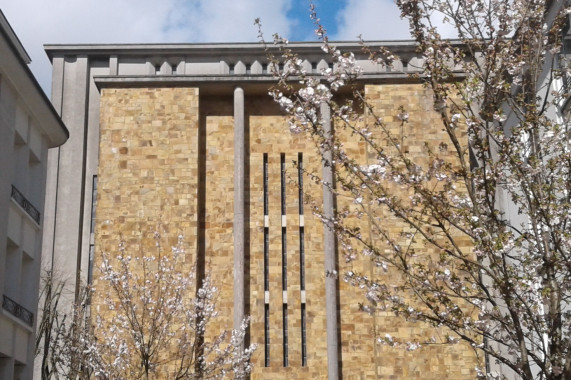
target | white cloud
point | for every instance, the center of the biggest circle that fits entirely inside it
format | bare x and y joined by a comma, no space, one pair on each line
229,20
37,22
379,20
372,19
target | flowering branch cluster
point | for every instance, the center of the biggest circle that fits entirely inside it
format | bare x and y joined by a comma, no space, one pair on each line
485,248
152,321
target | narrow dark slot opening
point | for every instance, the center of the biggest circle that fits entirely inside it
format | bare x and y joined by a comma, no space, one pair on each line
283,182
265,175
93,203
266,259
267,335
301,258
285,341
303,337
300,180
284,258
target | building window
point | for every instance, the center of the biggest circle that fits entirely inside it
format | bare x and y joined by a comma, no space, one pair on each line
93,202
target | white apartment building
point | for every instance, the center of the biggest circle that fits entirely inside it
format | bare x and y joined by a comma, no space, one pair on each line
29,126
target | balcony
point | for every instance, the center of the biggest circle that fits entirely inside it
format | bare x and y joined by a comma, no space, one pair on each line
19,198
18,310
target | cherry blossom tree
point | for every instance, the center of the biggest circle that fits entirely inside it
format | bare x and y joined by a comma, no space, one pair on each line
148,318
484,249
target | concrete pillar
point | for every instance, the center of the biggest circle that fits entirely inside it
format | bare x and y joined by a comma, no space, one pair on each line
63,232
238,207
50,205
331,276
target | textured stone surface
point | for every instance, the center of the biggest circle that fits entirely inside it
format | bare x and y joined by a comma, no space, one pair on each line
165,157
424,129
269,134
148,175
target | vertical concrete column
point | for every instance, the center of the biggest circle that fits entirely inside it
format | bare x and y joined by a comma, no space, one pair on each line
329,240
238,206
50,205
68,242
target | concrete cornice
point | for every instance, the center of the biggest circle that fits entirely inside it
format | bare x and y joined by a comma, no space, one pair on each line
213,49
253,84
229,81
216,68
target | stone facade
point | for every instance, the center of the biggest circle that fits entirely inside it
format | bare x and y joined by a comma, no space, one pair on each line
164,152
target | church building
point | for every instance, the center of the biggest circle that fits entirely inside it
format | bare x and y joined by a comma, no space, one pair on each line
185,135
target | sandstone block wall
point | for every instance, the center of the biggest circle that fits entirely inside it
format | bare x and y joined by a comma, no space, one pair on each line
166,155
423,131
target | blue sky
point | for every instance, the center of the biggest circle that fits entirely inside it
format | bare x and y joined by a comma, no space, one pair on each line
327,12
39,22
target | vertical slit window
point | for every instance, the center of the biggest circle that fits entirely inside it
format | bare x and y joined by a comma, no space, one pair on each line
284,235
266,264
266,227
265,174
93,202
301,227
300,180
285,341
301,258
284,259
283,182
303,337
267,335
266,259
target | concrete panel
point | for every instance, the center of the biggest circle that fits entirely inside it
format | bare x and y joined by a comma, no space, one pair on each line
133,68
306,66
50,203
224,68
71,169
29,239
21,126
7,341
49,209
256,68
239,68
202,68
35,144
21,345
370,67
14,225
92,161
166,69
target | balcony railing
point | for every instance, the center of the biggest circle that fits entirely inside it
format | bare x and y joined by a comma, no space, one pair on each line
18,310
25,204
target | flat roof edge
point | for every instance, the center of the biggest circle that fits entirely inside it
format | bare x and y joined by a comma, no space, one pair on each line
212,48
20,73
13,38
